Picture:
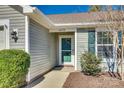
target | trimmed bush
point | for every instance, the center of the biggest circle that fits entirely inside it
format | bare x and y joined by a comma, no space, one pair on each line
14,66
90,64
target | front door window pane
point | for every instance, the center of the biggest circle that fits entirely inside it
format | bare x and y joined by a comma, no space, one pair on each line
66,56
66,43
66,50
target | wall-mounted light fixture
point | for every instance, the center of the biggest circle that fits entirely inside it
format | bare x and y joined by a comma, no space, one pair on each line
14,34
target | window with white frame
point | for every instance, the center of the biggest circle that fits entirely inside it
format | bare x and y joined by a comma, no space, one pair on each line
105,45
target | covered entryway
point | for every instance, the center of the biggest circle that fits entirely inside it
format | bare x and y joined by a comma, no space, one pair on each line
65,47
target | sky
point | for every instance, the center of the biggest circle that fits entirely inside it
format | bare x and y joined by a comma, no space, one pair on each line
62,9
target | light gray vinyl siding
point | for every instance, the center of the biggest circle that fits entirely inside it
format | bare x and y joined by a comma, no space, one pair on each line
42,49
82,44
17,21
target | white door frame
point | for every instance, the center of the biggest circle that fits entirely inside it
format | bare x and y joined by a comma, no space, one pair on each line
5,22
60,52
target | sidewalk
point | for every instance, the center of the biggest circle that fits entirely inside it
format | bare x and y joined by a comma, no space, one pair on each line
53,79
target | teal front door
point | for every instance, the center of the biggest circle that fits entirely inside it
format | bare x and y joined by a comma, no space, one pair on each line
66,50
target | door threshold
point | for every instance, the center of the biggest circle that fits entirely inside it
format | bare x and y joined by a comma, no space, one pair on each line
65,66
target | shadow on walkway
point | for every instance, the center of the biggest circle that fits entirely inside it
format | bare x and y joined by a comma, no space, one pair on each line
35,82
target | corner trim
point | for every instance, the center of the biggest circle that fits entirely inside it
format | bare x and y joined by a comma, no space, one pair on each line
75,49
8,35
7,41
27,43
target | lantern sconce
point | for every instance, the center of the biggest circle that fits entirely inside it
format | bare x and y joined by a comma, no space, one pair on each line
14,35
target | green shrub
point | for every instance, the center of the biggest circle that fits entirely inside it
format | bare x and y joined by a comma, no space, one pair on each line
90,64
14,66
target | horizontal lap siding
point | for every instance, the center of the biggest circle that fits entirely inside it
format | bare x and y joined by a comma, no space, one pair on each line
42,49
82,44
17,21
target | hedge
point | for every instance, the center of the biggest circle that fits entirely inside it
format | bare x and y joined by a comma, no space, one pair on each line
14,66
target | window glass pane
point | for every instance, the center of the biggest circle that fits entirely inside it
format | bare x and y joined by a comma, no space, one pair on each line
99,41
105,51
66,56
108,51
100,51
99,34
104,34
110,40
119,37
104,40
91,41
66,43
120,46
1,28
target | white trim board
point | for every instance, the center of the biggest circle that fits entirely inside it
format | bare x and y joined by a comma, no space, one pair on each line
5,22
72,56
76,50
27,43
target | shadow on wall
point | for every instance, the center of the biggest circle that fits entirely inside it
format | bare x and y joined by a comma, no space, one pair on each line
40,79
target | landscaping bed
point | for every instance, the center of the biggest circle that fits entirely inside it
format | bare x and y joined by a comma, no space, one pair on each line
79,80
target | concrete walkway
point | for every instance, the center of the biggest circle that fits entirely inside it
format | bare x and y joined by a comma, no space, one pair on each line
53,79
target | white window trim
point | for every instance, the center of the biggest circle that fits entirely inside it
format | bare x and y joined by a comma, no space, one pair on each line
96,45
6,22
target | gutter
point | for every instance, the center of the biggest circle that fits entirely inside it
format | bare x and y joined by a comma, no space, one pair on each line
36,10
84,24
38,16
42,19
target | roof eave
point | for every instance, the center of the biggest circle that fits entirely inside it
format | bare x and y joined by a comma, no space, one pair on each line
77,25
38,16
84,24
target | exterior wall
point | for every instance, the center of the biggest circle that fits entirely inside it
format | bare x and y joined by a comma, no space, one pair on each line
57,43
82,44
17,21
42,49
104,65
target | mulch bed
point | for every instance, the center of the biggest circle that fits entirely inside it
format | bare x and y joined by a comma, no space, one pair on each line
79,80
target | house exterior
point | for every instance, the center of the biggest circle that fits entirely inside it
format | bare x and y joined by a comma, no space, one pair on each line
53,40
